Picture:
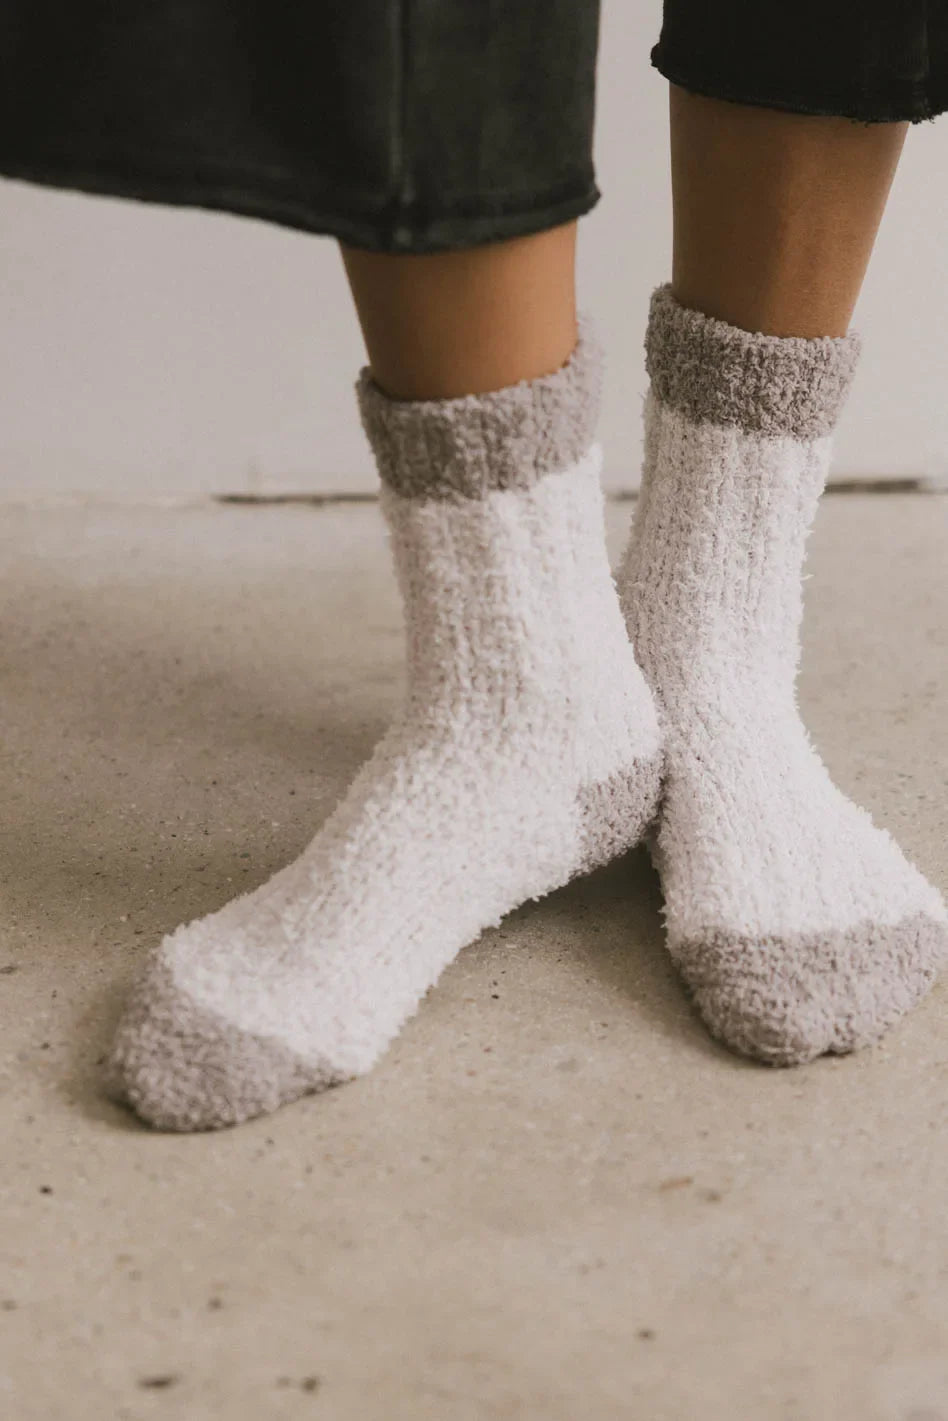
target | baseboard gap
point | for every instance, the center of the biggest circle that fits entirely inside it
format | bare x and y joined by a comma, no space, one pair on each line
340,498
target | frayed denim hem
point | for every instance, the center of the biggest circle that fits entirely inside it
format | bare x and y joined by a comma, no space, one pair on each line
915,103
277,196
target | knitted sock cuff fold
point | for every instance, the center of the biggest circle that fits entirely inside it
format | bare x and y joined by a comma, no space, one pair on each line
713,372
504,439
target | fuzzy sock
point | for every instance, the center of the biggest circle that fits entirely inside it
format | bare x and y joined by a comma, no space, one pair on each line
527,752
798,925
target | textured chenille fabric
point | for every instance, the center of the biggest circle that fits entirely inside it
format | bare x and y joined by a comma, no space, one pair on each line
527,752
797,923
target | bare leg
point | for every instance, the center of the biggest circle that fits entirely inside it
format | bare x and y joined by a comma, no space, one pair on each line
470,321
775,214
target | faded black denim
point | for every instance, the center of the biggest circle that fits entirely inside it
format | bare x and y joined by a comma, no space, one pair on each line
395,125
408,125
871,60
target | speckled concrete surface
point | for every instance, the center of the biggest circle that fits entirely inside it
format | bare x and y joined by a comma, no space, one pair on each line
556,1199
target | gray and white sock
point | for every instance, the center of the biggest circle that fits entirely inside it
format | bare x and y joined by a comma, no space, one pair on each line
799,926
527,752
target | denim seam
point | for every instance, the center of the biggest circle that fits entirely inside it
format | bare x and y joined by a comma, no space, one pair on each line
402,187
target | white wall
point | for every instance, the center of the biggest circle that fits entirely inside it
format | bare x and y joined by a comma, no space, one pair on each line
151,352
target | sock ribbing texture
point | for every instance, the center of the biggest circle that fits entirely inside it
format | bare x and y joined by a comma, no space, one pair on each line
527,751
798,925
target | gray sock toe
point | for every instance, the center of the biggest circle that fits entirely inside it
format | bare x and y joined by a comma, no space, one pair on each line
183,1067
786,1002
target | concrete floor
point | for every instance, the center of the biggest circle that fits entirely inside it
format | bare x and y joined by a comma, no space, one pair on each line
556,1199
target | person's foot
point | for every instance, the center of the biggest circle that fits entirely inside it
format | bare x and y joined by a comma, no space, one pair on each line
528,752
798,925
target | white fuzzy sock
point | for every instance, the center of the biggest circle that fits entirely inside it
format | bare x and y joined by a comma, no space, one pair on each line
527,752
799,926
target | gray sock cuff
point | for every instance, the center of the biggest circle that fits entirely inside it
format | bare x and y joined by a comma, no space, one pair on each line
711,371
509,438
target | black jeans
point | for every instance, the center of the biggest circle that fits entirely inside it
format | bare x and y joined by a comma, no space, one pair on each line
874,60
408,125
395,125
